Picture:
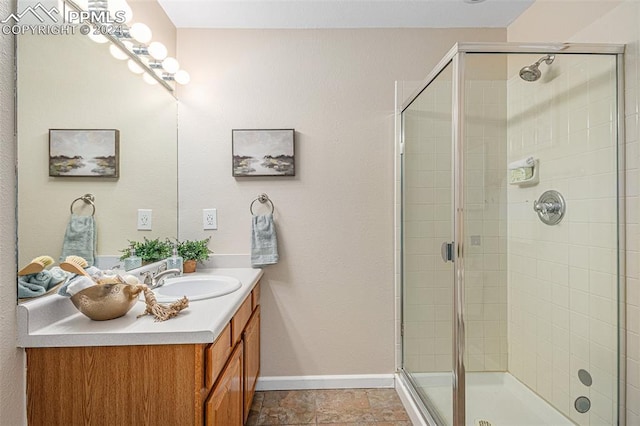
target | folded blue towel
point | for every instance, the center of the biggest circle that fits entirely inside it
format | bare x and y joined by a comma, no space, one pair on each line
80,238
264,241
43,279
34,285
58,276
26,289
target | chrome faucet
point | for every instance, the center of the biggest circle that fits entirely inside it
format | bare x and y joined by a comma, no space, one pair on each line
157,280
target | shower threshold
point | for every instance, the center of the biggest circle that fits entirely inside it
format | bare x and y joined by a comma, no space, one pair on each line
496,399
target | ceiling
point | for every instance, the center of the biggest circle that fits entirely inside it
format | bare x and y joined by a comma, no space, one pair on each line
343,13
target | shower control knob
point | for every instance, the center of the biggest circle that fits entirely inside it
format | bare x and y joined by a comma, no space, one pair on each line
550,207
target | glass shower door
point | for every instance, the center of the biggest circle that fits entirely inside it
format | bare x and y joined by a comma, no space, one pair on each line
427,222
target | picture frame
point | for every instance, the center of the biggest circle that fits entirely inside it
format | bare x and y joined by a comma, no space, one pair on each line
84,153
263,152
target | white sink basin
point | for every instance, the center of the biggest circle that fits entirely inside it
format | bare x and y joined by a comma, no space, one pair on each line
197,287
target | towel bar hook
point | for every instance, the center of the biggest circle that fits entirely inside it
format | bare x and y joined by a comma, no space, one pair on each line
262,198
88,199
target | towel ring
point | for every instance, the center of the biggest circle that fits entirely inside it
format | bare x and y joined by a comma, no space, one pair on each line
263,198
88,199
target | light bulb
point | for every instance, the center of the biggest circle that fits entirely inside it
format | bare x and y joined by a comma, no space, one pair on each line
149,79
117,53
157,50
98,38
117,8
182,77
170,65
140,32
134,67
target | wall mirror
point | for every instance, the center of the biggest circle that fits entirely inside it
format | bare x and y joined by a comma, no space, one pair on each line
71,82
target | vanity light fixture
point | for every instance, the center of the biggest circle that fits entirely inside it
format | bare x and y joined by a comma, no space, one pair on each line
120,6
171,65
180,77
133,42
155,65
157,50
140,50
140,32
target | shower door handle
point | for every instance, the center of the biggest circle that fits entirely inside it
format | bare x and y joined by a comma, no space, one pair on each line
446,250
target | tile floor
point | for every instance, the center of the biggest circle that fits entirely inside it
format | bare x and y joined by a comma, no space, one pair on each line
337,407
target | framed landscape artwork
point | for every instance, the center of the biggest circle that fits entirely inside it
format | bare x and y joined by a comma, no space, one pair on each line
84,153
263,152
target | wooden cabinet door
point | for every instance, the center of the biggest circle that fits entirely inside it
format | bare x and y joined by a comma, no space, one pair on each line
224,405
251,359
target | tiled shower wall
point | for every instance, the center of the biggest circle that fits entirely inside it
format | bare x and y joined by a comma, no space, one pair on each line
485,224
428,281
428,223
562,278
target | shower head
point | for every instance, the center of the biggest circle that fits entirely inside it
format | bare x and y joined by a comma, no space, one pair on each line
532,72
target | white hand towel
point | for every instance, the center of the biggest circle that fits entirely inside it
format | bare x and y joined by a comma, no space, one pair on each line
264,241
78,284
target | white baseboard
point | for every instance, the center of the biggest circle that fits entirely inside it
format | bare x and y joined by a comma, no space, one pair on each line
355,381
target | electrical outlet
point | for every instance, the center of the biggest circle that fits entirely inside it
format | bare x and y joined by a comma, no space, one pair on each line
209,219
144,219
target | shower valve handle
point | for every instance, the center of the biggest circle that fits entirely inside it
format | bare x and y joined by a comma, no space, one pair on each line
550,207
546,208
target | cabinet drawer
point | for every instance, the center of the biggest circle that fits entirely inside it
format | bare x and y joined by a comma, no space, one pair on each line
255,296
216,356
240,319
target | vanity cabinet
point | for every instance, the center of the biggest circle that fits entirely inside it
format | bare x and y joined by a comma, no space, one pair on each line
251,359
225,404
187,384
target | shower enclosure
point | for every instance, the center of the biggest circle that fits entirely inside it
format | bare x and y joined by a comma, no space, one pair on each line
512,282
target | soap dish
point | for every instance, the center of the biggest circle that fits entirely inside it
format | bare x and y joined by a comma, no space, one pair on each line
524,176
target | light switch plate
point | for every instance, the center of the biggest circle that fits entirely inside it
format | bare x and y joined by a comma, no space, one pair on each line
209,219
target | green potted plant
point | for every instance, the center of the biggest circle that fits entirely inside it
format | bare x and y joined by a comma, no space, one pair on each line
193,252
149,250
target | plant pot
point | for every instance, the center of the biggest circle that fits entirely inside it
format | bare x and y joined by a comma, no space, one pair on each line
189,266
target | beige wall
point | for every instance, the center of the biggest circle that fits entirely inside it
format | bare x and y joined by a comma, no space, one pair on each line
12,387
601,22
328,306
100,93
152,14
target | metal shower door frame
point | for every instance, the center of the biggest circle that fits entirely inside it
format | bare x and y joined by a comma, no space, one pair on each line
456,56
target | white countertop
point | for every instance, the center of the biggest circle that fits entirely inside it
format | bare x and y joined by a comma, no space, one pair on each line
53,321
